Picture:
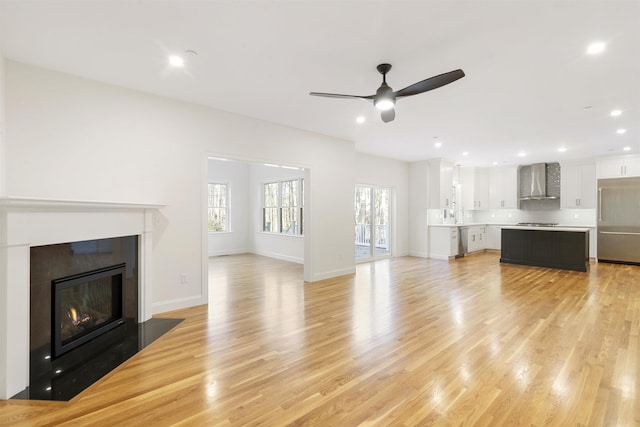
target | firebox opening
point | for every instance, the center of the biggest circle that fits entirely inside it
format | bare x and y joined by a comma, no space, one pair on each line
85,306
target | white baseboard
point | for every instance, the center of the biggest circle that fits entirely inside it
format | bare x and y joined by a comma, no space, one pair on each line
442,257
419,254
177,304
333,273
234,252
283,257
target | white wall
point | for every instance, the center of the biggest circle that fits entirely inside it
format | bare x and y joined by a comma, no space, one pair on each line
4,309
394,174
236,176
419,209
71,138
3,166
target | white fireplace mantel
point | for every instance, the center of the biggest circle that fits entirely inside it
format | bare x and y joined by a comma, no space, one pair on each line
27,222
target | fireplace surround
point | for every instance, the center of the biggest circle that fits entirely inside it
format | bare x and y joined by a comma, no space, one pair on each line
27,223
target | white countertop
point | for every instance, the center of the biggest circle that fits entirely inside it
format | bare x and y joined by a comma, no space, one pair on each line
559,227
556,228
466,224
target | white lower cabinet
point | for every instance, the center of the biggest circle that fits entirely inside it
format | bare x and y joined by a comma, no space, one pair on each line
494,237
593,249
476,239
443,242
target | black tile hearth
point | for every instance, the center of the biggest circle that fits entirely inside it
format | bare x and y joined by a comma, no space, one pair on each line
72,373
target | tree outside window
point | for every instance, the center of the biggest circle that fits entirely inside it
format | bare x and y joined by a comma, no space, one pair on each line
270,221
218,209
283,207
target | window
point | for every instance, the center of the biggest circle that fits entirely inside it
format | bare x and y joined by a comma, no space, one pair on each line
282,210
270,209
218,211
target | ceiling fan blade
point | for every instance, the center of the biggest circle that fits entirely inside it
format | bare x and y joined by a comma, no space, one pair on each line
431,83
388,115
337,95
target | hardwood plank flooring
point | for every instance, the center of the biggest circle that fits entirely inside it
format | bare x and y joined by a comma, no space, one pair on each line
403,342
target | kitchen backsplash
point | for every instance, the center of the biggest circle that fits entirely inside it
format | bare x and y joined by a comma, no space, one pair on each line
514,216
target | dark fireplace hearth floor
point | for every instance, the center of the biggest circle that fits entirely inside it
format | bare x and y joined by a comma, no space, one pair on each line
77,370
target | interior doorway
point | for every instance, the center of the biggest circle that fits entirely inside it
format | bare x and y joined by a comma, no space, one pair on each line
239,218
372,222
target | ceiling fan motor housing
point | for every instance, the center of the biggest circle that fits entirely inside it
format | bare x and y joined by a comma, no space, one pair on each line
384,99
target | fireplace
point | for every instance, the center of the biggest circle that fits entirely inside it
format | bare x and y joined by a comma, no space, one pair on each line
33,253
84,315
86,306
83,304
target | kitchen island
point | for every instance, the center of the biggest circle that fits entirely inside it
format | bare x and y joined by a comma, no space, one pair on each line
556,247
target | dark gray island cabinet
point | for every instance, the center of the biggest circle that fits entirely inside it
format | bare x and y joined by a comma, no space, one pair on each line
555,247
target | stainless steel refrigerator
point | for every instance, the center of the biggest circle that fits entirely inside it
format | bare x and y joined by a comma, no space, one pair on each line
619,220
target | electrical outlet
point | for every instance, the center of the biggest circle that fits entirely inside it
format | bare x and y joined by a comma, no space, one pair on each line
184,278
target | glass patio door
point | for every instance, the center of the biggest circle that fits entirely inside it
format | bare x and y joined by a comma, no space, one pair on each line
372,206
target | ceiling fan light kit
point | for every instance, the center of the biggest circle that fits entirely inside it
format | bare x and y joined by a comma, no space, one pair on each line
385,98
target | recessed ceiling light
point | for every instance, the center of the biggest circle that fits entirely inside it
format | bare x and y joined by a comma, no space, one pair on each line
495,163
522,154
596,48
361,119
587,107
465,153
176,61
562,149
621,131
615,113
627,148
437,144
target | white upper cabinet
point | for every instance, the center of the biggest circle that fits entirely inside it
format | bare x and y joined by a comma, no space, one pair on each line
481,189
474,184
578,186
466,188
503,187
618,167
440,184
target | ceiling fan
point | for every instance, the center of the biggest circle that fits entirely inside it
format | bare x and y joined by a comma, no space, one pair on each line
385,98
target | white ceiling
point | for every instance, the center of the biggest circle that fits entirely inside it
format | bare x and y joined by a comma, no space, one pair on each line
528,78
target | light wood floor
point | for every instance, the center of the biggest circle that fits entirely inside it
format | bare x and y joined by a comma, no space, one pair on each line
405,341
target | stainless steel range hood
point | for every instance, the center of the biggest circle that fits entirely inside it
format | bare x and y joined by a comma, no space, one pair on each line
534,179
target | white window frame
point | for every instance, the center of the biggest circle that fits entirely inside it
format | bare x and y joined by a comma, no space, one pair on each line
279,207
226,208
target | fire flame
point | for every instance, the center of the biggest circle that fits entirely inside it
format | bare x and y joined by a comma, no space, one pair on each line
77,318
